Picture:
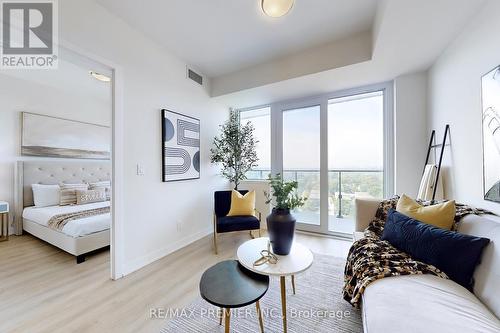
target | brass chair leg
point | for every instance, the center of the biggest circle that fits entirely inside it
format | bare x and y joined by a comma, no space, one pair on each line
259,313
221,314
215,242
293,284
227,316
260,222
251,235
215,234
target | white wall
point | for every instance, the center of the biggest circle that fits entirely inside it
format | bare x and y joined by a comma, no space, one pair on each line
153,79
410,104
455,98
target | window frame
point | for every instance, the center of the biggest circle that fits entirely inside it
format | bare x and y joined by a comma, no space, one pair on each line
276,127
253,108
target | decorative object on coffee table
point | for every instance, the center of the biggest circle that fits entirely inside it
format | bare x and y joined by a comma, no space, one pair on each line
297,261
281,223
267,257
4,221
229,285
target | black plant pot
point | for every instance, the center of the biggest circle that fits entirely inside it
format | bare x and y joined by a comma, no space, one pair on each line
281,229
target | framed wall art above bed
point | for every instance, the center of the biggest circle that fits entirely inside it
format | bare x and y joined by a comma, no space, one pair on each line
180,146
490,84
57,137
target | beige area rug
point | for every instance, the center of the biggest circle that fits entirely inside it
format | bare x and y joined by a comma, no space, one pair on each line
317,306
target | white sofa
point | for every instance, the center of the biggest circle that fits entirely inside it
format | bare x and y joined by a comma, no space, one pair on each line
426,303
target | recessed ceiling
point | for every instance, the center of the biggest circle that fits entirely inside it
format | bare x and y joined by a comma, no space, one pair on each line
218,37
408,37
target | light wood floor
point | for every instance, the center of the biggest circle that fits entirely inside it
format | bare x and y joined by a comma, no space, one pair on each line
43,290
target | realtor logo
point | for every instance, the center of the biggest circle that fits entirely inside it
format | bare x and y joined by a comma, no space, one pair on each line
29,34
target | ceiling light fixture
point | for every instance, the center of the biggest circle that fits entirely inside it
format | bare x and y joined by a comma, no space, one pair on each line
276,8
100,77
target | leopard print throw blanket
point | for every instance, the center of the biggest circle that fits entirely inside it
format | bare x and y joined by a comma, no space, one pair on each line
371,258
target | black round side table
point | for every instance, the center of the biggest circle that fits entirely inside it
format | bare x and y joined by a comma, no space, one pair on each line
229,285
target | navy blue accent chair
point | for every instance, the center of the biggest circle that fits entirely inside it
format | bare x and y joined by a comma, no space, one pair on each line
224,223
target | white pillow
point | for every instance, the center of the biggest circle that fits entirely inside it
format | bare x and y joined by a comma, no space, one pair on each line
46,195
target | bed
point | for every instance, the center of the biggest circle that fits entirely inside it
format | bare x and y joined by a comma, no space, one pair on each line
78,237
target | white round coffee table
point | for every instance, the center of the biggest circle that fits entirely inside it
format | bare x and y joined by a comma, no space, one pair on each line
299,260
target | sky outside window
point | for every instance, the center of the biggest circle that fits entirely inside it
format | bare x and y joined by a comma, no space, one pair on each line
261,120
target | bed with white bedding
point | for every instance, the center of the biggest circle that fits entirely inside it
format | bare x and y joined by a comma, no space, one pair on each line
77,236
75,228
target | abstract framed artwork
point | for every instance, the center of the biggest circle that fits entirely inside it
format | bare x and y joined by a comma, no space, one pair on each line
57,137
490,91
180,146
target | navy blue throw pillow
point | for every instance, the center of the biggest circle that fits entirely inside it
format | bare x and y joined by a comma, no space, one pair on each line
453,253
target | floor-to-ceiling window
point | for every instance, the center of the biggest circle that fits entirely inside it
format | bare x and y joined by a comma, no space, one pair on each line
260,118
302,158
355,155
338,147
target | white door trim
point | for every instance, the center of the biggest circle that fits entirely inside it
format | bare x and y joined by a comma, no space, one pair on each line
117,152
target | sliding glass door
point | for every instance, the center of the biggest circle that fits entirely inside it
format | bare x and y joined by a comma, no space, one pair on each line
301,158
355,155
338,147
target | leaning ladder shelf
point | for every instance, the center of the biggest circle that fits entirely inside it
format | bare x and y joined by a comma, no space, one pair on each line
433,145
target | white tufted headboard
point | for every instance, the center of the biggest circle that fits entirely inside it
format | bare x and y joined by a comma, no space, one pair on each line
54,172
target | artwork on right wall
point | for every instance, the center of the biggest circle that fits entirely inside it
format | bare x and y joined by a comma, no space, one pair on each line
490,84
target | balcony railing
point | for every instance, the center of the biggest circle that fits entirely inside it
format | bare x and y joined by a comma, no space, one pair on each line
344,185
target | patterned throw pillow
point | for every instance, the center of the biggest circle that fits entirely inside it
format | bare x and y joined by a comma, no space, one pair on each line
90,196
68,193
106,185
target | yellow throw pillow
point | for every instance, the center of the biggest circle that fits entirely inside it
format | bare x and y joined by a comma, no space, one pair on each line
242,205
440,215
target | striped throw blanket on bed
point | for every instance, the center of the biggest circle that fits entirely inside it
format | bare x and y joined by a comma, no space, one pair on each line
58,222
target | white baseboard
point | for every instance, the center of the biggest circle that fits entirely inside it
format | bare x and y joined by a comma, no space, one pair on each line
145,260
347,237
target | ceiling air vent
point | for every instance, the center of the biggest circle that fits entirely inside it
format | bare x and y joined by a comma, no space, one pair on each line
195,76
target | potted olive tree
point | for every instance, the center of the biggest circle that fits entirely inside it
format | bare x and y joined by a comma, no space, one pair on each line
235,149
281,222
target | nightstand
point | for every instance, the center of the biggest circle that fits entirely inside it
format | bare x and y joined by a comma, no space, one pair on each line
4,221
